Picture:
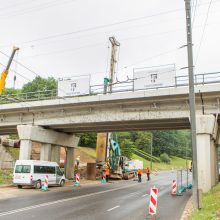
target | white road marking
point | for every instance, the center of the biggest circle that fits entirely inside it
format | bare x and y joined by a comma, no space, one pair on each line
144,195
113,208
61,201
134,193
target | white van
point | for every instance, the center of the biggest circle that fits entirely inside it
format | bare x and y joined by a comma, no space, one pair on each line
33,172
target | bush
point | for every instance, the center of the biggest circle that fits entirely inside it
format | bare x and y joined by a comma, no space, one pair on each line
165,158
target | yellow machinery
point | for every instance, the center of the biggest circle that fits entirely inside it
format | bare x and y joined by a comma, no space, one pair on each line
5,72
101,148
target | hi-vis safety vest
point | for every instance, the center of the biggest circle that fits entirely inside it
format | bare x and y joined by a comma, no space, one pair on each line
139,171
107,172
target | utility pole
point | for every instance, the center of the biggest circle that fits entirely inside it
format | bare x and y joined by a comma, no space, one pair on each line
115,44
196,194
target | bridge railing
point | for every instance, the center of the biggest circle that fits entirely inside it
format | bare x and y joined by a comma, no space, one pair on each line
124,86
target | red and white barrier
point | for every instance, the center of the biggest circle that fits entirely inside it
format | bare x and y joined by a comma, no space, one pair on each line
174,186
153,201
77,178
46,181
103,178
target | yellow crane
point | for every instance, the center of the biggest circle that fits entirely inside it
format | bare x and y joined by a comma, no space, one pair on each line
5,71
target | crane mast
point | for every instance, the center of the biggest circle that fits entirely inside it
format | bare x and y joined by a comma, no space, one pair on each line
5,71
103,139
114,44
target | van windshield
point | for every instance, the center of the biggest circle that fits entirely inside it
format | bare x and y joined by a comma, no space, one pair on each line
23,169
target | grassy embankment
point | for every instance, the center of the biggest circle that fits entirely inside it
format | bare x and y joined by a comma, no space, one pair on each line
6,175
211,206
176,162
89,151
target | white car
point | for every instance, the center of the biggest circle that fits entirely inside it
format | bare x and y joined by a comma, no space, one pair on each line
33,172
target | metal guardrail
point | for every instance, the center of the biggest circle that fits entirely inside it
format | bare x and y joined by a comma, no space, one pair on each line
125,86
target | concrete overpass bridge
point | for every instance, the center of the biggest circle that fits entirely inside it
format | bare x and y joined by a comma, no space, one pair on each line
56,122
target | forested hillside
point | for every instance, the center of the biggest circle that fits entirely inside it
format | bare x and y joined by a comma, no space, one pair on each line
173,143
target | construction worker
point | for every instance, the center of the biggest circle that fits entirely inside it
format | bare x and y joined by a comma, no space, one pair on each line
148,173
190,169
139,172
77,161
107,173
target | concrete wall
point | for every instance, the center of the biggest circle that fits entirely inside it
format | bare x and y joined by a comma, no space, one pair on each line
6,160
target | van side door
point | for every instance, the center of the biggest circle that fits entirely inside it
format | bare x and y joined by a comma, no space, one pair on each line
59,175
51,172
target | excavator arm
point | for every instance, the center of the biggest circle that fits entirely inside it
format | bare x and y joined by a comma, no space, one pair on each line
5,72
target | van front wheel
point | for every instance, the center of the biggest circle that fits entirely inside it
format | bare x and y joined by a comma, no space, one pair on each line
62,183
38,184
19,186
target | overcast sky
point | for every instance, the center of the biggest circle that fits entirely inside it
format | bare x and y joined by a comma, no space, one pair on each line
70,37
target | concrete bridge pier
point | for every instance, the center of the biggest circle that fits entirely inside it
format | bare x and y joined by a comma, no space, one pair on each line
69,162
51,142
45,152
206,151
25,149
55,153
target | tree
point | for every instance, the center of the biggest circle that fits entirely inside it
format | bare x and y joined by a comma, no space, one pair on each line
88,140
165,158
10,91
126,148
40,84
143,141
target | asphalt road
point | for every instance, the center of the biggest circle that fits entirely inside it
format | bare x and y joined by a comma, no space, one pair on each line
117,200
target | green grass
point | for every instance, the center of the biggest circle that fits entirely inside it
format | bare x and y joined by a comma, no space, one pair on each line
176,162
14,152
90,151
5,177
211,205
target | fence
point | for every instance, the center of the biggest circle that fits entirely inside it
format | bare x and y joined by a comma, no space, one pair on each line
117,87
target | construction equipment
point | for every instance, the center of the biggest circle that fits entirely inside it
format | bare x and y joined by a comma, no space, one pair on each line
120,166
5,72
118,163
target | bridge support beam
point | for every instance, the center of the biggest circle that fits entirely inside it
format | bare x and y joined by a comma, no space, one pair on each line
50,140
206,152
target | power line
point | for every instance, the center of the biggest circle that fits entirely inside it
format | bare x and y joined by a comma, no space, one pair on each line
17,73
101,43
67,50
101,26
203,31
194,13
34,9
15,5
104,26
150,58
27,68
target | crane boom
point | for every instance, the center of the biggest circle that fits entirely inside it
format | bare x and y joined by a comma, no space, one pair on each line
5,71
